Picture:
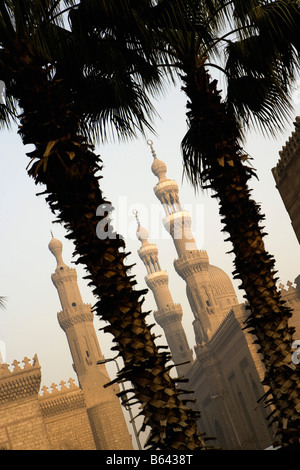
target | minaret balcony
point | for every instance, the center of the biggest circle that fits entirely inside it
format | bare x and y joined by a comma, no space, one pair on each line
64,274
73,315
177,220
156,279
147,250
179,226
191,263
168,314
164,187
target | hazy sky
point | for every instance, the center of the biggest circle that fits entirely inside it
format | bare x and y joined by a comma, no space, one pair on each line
29,324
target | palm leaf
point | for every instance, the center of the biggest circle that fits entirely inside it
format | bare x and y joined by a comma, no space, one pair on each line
2,301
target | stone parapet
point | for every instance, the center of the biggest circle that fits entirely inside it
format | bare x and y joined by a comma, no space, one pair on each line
77,314
19,381
148,249
291,295
164,187
64,275
191,263
178,222
168,314
159,278
290,289
286,175
61,398
289,150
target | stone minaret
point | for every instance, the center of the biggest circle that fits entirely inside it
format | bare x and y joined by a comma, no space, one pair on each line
192,264
76,319
168,314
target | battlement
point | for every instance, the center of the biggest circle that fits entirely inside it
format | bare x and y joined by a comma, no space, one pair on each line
291,147
159,278
164,186
290,289
16,367
62,387
168,314
76,314
61,398
192,262
178,224
19,380
148,249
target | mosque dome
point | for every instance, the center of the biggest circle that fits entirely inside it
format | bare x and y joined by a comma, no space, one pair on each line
220,281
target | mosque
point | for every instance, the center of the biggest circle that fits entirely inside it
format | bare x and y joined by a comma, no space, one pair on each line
225,370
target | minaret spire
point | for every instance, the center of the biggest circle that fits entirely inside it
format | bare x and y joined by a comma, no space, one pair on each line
168,314
150,143
136,214
192,264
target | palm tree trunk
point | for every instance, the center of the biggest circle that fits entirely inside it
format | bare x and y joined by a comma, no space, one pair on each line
213,141
68,168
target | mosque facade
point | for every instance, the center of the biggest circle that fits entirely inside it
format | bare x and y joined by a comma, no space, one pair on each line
286,174
226,371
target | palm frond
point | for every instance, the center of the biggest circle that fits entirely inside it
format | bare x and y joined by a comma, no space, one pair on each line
258,87
112,108
259,103
115,71
8,105
2,301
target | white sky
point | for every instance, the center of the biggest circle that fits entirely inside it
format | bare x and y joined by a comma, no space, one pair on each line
29,324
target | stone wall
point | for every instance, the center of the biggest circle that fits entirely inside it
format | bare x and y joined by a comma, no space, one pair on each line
286,175
65,416
112,437
55,420
228,386
21,422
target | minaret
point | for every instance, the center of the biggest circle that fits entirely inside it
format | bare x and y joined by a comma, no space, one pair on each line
192,264
168,314
76,319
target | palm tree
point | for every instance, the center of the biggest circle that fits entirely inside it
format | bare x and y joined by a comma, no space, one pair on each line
61,82
258,54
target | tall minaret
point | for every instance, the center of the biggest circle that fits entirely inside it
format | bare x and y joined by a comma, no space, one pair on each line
192,264
168,314
76,319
